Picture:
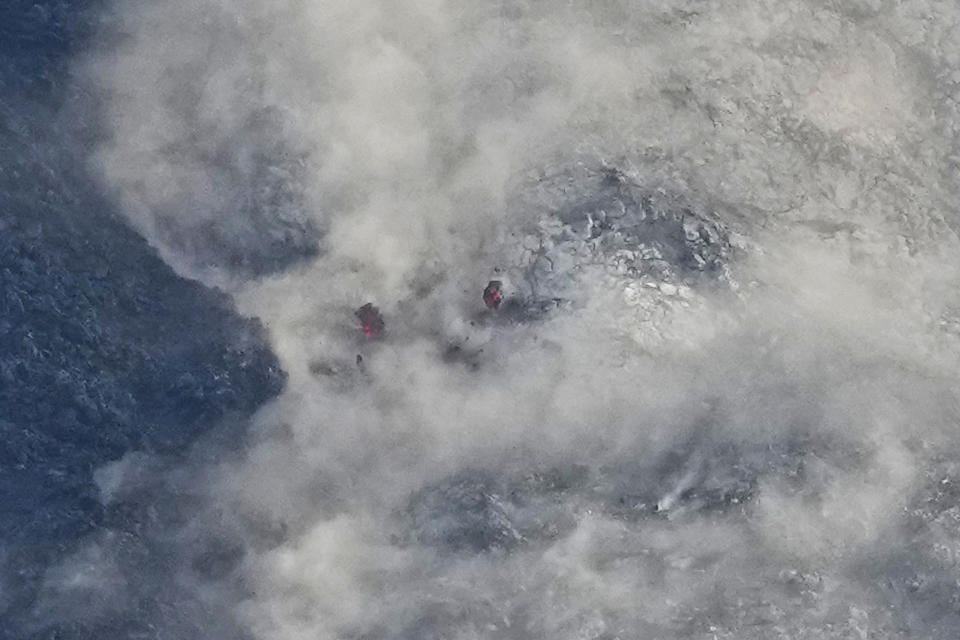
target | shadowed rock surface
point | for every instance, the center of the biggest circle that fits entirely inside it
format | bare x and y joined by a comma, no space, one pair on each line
600,218
465,513
103,349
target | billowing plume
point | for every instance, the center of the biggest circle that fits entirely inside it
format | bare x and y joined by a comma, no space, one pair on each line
719,391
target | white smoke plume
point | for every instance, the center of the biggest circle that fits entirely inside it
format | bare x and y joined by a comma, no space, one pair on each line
725,443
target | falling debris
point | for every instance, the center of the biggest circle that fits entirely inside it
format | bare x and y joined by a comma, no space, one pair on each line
493,294
371,319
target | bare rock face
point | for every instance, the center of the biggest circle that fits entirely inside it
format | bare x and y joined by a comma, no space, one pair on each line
103,349
642,231
467,512
599,223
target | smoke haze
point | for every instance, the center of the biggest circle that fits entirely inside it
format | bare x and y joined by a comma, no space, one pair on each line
720,400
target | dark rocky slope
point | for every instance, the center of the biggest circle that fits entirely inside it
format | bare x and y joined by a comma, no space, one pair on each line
103,349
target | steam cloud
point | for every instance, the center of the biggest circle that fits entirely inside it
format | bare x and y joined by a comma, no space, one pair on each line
724,404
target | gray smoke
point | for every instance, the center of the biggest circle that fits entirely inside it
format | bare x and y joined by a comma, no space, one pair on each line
720,398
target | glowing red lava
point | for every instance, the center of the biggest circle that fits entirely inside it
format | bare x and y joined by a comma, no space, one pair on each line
492,295
371,320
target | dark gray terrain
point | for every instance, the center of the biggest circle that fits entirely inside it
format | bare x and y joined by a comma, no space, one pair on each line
103,349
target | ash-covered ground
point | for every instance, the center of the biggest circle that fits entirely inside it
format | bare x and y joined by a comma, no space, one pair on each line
718,399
